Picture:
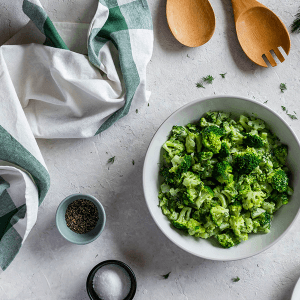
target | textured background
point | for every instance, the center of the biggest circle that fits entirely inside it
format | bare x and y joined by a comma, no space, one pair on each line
48,267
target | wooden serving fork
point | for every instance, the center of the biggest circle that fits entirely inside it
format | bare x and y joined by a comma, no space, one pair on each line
260,31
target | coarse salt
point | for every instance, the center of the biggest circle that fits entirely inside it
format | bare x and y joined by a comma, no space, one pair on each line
112,282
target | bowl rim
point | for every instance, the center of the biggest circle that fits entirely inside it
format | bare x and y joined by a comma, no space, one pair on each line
144,174
87,197
89,282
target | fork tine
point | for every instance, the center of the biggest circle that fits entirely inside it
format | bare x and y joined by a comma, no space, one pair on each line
278,54
271,59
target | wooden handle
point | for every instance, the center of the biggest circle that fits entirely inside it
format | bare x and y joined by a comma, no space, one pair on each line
239,6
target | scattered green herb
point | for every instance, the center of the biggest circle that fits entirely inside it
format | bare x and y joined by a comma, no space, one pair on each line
266,101
111,160
223,75
187,55
199,85
296,23
293,117
283,87
208,79
133,162
148,104
166,276
136,110
236,279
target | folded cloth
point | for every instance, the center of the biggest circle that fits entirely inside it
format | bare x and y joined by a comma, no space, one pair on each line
63,80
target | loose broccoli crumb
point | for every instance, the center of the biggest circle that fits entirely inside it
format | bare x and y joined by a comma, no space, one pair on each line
223,178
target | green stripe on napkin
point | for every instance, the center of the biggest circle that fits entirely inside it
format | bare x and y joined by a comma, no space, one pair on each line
12,151
44,24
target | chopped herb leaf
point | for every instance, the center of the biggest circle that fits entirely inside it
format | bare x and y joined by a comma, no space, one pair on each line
166,276
199,85
133,162
111,160
283,87
187,55
296,23
266,101
236,279
223,75
136,110
208,79
283,108
148,104
293,117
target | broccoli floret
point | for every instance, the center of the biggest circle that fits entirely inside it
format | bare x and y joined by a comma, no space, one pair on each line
216,117
219,215
180,132
256,124
243,120
189,196
193,142
181,164
279,180
168,177
281,153
253,140
246,161
204,156
194,227
256,212
211,138
222,172
237,224
182,221
227,239
268,207
218,194
210,226
224,151
191,179
253,199
173,147
230,191
235,208
264,221
205,194
235,135
280,199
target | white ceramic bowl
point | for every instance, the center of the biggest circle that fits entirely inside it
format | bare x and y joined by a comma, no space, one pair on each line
192,112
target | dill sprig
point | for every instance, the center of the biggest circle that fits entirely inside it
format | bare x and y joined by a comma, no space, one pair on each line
223,75
295,27
208,79
111,160
293,117
200,85
283,87
236,279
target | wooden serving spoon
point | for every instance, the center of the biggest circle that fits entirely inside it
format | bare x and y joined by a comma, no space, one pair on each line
259,31
192,22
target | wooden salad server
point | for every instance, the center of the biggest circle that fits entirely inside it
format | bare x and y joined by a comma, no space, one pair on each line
192,22
260,31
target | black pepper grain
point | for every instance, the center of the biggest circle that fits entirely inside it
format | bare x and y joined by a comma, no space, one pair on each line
81,216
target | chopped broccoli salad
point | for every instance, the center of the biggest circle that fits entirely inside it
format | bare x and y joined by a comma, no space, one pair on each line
223,177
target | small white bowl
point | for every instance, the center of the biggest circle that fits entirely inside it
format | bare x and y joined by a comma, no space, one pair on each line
192,112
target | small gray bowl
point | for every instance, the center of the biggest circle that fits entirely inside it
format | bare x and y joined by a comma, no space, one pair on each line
67,233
